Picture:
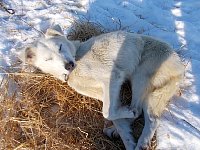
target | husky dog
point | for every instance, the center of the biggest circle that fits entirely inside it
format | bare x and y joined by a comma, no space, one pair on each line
98,67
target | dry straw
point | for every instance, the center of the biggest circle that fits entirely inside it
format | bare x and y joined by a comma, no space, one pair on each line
40,112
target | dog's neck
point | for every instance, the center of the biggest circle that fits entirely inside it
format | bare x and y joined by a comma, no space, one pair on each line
82,48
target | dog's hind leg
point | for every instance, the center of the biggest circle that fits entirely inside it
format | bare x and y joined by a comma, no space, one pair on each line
153,106
151,123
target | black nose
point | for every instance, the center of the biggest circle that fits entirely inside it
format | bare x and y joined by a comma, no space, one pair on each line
69,65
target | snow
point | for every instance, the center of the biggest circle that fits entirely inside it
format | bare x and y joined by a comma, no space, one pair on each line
174,21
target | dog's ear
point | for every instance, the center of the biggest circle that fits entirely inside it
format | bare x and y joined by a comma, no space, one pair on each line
54,31
27,55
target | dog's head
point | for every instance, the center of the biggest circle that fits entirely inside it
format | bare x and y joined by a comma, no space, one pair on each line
53,54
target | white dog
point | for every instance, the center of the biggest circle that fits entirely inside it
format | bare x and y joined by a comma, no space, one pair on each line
98,67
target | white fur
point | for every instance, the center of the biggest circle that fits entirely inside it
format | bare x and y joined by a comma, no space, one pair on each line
103,63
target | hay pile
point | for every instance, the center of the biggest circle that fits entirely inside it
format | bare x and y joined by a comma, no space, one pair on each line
39,112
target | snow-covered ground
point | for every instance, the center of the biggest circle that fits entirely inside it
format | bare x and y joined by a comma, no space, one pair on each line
174,21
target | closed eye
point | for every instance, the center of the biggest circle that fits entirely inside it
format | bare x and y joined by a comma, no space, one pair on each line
60,48
50,58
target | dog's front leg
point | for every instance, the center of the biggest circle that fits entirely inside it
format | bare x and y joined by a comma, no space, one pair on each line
112,107
121,128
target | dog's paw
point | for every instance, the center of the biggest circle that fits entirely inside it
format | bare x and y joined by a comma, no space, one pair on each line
111,132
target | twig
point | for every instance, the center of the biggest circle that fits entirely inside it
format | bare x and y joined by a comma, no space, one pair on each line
191,125
8,10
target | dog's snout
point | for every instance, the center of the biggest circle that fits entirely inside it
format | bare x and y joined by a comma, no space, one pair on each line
70,65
